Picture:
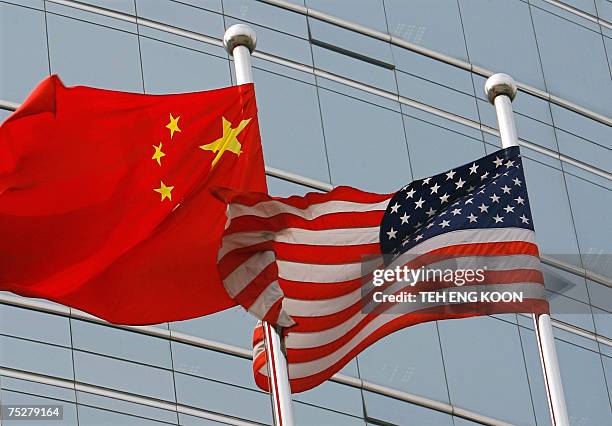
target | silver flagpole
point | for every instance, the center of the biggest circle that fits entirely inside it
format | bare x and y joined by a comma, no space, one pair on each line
240,41
501,90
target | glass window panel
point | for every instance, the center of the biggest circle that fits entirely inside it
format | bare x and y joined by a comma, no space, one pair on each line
119,406
335,396
183,16
369,13
585,151
587,6
186,420
584,386
350,40
565,283
600,295
283,188
436,95
571,311
434,149
290,125
213,365
267,15
565,69
96,417
496,43
551,213
305,414
107,58
582,126
536,132
434,24
464,129
36,4
479,354
35,357
355,69
183,41
125,6
123,375
172,69
594,230
223,398
34,388
603,322
214,5
69,410
374,96
386,409
34,325
575,339
233,326
24,63
302,74
363,138
119,343
432,69
91,17
604,9
279,44
564,14
394,363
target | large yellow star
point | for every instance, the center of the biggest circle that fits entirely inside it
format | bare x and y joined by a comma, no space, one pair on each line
227,142
173,125
165,191
158,153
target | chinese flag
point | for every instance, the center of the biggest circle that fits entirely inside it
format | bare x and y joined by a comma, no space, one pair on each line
105,200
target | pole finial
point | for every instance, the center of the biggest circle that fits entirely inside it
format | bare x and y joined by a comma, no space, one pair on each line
239,35
500,84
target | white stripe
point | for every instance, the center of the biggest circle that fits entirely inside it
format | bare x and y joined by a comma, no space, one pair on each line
305,272
266,300
322,307
326,237
299,370
271,208
241,240
242,276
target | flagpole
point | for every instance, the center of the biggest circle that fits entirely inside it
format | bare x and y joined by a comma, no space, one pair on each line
240,41
501,91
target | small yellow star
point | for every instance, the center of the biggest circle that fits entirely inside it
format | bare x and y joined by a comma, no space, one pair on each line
173,125
165,191
158,153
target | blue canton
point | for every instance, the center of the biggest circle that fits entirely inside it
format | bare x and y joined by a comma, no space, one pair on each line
488,193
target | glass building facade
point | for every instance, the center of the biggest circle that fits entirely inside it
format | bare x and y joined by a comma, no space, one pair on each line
369,93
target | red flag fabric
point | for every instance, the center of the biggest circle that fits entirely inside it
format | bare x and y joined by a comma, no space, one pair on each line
105,203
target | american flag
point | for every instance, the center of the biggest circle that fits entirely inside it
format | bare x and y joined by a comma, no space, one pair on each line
306,263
